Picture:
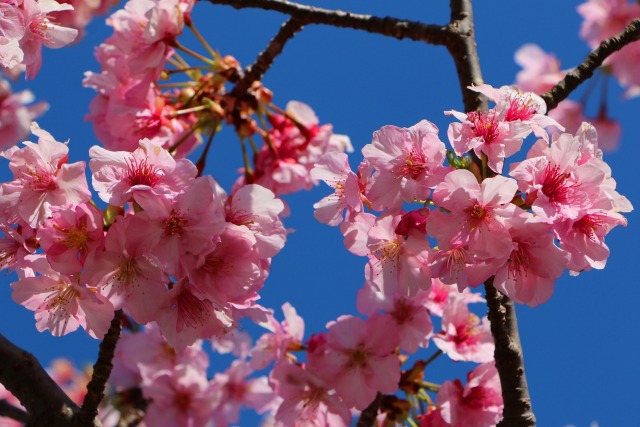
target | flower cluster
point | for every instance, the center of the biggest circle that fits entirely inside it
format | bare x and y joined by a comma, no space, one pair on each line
171,247
523,231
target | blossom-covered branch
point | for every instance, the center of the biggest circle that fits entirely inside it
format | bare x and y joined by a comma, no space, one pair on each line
24,377
504,327
387,26
584,71
101,371
255,71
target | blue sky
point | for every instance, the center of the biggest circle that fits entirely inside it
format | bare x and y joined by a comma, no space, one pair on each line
580,347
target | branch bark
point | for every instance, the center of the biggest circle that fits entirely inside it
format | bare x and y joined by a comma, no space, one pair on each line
509,361
25,378
584,71
387,26
13,412
101,371
255,72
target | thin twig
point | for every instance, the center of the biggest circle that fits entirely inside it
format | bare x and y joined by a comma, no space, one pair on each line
387,26
255,72
26,379
101,371
509,361
13,412
584,71
368,415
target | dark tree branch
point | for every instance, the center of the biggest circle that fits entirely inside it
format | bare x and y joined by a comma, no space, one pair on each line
255,72
26,379
13,412
101,371
465,55
584,71
509,361
387,26
368,415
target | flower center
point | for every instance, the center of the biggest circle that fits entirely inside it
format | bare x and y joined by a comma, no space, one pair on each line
555,185
520,108
588,225
139,172
484,125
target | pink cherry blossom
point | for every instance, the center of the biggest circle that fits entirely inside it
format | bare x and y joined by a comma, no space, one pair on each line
438,297
70,235
358,359
118,175
464,336
285,337
236,389
180,397
477,404
185,315
540,70
408,162
535,262
45,178
41,30
333,168
476,213
256,208
182,226
15,115
12,29
127,275
487,134
308,401
60,303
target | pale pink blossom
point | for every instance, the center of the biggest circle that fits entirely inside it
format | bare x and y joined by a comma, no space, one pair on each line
256,208
12,30
47,180
185,315
5,395
184,225
180,397
397,263
127,275
308,400
476,213
333,168
118,175
42,30
148,349
540,70
486,134
477,404
408,163
569,114
284,337
15,115
464,336
535,262
60,303
236,389
609,131
358,359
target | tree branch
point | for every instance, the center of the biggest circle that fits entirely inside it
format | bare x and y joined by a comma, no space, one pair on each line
465,55
255,72
26,379
368,414
509,362
13,412
584,71
101,371
387,26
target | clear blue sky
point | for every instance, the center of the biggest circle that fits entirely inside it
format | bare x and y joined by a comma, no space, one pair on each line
580,348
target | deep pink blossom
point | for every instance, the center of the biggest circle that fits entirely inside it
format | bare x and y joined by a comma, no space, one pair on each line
358,359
